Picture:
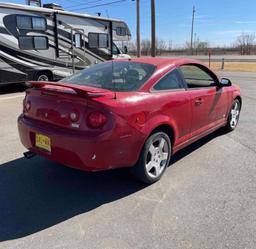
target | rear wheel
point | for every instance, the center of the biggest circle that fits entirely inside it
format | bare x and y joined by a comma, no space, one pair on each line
233,116
43,76
154,158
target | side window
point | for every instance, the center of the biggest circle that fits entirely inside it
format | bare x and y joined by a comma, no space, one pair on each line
39,23
24,22
171,81
40,43
98,40
33,42
31,23
196,77
78,40
26,42
121,31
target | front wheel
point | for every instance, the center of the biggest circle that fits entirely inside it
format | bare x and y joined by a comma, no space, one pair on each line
154,158
233,116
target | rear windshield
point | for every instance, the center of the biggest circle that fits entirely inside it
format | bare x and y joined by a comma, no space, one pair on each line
116,76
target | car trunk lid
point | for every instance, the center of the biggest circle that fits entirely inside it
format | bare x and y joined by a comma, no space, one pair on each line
61,104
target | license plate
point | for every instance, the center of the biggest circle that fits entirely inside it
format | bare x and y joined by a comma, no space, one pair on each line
43,142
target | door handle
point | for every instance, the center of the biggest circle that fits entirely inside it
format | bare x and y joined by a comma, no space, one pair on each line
199,101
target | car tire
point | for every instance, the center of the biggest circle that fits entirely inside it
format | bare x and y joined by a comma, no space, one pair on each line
43,76
233,116
154,158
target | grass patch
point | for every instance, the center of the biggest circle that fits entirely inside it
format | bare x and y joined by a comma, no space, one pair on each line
235,66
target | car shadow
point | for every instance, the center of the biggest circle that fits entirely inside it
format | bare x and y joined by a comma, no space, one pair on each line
36,194
12,88
196,145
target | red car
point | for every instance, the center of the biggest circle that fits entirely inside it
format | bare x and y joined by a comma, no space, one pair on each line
127,113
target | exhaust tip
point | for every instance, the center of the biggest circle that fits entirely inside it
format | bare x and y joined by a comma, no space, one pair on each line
29,154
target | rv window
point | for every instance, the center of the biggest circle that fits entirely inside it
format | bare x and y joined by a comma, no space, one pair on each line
121,31
24,22
93,40
38,23
26,42
40,42
78,39
103,40
33,42
31,22
97,40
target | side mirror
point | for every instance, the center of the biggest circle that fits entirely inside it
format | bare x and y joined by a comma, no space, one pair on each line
225,82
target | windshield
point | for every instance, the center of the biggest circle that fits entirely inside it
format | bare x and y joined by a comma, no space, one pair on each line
116,76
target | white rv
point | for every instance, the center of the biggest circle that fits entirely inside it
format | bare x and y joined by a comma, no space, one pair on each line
48,44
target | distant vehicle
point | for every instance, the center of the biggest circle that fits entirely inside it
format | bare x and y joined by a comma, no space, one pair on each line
50,43
125,113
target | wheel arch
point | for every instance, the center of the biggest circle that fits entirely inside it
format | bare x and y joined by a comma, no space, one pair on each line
238,97
168,129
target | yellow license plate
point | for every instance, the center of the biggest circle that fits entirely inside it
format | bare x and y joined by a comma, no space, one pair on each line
43,142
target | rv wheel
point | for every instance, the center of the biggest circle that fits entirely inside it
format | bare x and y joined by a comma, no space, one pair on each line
43,76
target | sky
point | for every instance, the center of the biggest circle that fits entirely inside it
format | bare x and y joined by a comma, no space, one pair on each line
219,22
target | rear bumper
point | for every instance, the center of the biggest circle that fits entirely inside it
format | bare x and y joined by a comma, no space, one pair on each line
82,150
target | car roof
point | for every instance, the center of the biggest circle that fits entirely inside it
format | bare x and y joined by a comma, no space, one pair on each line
160,62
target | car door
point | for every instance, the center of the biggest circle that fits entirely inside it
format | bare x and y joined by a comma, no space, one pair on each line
208,100
175,101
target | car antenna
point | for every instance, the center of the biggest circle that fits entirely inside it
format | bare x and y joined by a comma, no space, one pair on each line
113,81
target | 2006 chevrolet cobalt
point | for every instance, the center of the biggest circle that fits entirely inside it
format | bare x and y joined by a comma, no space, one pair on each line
128,113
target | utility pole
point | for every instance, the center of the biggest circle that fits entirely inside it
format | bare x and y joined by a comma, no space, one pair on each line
138,29
192,29
153,29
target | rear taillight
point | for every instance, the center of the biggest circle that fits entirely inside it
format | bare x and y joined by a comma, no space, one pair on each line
96,120
27,105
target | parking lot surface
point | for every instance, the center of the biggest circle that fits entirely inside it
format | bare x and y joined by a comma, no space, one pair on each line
206,199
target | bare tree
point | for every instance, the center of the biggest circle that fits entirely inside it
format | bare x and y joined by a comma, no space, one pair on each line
169,45
146,47
132,47
187,45
245,43
161,46
198,46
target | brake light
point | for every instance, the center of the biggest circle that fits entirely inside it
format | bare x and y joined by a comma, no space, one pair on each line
96,120
27,105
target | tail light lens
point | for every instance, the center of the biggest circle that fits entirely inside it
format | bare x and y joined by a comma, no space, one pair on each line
27,105
96,120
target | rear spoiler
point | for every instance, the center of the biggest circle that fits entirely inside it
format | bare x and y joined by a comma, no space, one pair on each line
84,91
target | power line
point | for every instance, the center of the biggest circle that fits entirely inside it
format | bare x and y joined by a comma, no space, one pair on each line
99,5
73,1
81,3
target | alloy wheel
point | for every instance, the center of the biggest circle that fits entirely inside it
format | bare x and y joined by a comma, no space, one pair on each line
235,111
157,157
